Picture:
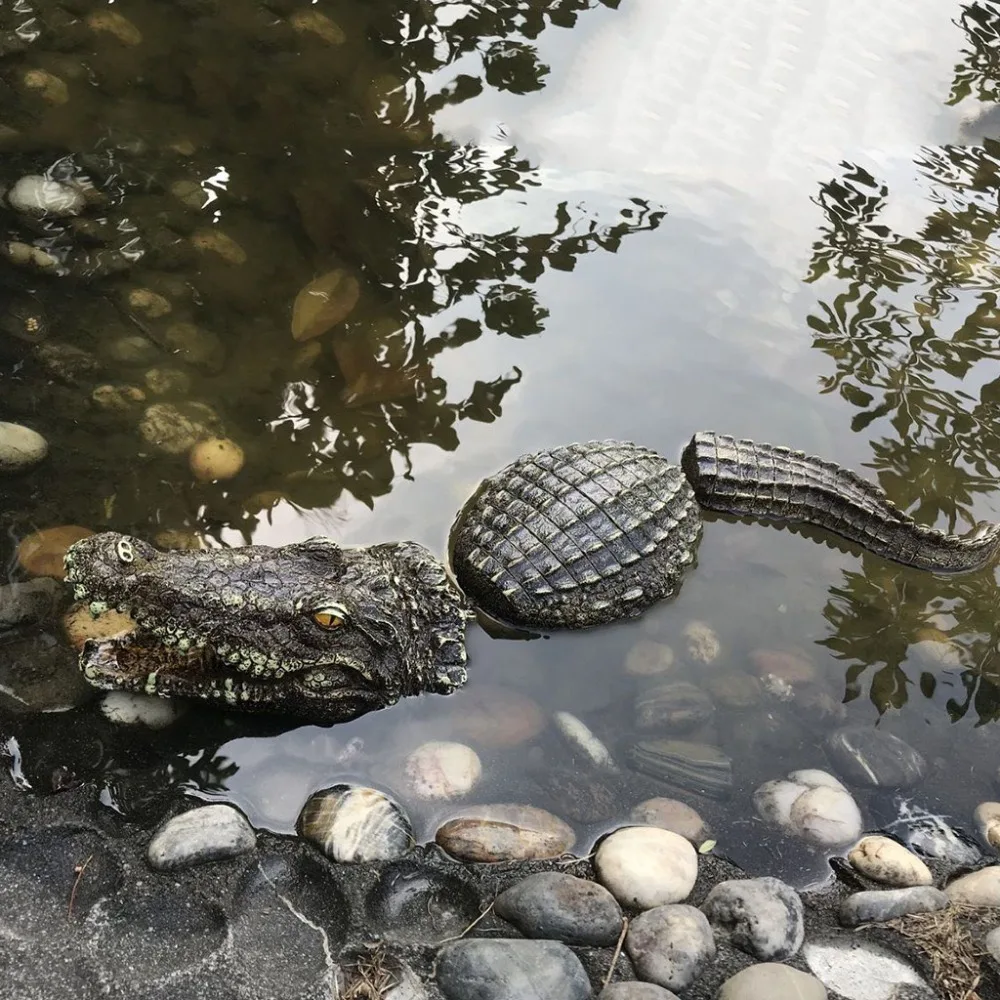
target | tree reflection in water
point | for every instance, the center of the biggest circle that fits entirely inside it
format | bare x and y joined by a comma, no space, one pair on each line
911,326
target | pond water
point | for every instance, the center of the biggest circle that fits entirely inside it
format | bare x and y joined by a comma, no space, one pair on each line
546,221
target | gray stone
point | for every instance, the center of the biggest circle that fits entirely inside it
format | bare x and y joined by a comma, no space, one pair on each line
20,447
772,982
635,991
670,945
992,943
874,759
762,916
480,969
562,907
30,601
887,904
209,833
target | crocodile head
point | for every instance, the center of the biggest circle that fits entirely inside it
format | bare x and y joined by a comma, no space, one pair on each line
310,629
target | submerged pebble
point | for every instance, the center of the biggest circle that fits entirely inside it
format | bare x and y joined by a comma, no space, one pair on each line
126,708
175,428
20,447
695,767
811,804
671,814
39,197
442,770
645,866
674,706
873,759
215,458
505,832
208,833
29,601
647,658
495,717
41,553
884,860
579,737
702,644
351,824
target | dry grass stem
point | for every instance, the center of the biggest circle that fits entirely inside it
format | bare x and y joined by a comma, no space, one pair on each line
79,869
618,951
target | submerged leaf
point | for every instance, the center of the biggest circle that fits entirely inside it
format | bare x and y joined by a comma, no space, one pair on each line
323,303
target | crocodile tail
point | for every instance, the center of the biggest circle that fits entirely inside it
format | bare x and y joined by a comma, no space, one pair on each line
766,482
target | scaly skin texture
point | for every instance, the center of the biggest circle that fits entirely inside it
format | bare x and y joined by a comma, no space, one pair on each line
570,537
239,626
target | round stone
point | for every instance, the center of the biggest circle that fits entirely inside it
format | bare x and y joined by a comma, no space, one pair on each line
215,458
887,904
670,945
355,824
981,888
177,428
674,706
39,197
442,770
671,814
209,833
502,969
635,991
987,820
885,860
734,689
495,717
41,553
20,447
645,866
773,981
773,802
647,658
874,759
792,668
992,943
826,817
561,907
762,916
702,644
505,832
127,708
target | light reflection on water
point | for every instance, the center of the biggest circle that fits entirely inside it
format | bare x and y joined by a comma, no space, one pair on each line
751,217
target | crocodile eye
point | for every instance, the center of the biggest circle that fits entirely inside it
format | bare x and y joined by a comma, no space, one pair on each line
332,616
125,552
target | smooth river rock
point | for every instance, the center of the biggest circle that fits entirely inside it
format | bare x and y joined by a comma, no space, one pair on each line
208,833
562,907
671,814
480,969
987,820
810,804
355,824
887,904
887,861
442,770
505,832
762,916
992,943
771,981
635,991
871,758
694,767
645,866
20,447
672,706
981,888
670,945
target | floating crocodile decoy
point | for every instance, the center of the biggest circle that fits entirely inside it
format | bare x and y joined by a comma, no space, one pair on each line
567,538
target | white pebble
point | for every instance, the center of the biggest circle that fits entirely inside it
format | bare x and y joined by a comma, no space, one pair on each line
128,709
645,866
987,820
20,447
773,802
826,817
579,736
442,770
39,196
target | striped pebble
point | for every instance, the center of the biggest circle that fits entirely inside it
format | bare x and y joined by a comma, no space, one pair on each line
350,824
